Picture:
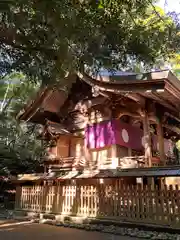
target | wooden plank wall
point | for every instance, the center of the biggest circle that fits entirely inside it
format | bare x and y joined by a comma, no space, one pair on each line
112,199
63,146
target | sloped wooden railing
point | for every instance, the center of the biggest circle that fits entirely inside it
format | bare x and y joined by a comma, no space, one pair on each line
116,201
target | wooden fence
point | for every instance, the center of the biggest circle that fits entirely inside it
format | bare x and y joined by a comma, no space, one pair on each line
116,201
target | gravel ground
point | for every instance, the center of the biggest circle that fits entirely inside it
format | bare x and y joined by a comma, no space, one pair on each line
116,230
32,230
12,230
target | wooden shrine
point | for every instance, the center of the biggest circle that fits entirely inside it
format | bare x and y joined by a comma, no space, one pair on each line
112,151
109,122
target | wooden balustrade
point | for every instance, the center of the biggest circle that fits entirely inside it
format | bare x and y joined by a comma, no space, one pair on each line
70,163
65,163
109,200
132,162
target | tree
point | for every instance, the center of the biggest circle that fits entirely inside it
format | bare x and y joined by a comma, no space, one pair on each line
20,150
15,90
49,39
173,57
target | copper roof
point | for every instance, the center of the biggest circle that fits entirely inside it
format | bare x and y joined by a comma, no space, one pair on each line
47,99
161,86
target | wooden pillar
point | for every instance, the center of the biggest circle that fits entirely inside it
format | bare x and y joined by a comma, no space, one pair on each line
129,152
45,169
160,135
147,140
114,151
87,156
69,148
114,157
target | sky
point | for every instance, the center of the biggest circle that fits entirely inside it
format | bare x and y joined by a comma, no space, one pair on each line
172,5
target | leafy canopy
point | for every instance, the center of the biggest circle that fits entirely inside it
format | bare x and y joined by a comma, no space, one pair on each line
48,39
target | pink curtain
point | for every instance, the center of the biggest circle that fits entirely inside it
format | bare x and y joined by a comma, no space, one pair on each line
112,132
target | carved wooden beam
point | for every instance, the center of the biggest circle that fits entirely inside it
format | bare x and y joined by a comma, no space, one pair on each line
134,115
124,111
167,101
172,116
153,118
106,94
172,128
86,104
172,90
137,98
163,102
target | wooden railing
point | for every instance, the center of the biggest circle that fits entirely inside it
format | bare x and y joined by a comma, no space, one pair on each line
65,163
132,162
139,162
121,202
125,162
108,163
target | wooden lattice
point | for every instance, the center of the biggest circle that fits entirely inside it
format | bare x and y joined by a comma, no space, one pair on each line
129,203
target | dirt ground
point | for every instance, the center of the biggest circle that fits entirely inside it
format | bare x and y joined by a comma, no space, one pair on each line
11,230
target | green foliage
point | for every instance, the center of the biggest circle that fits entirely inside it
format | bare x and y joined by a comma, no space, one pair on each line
175,62
20,150
15,90
48,39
